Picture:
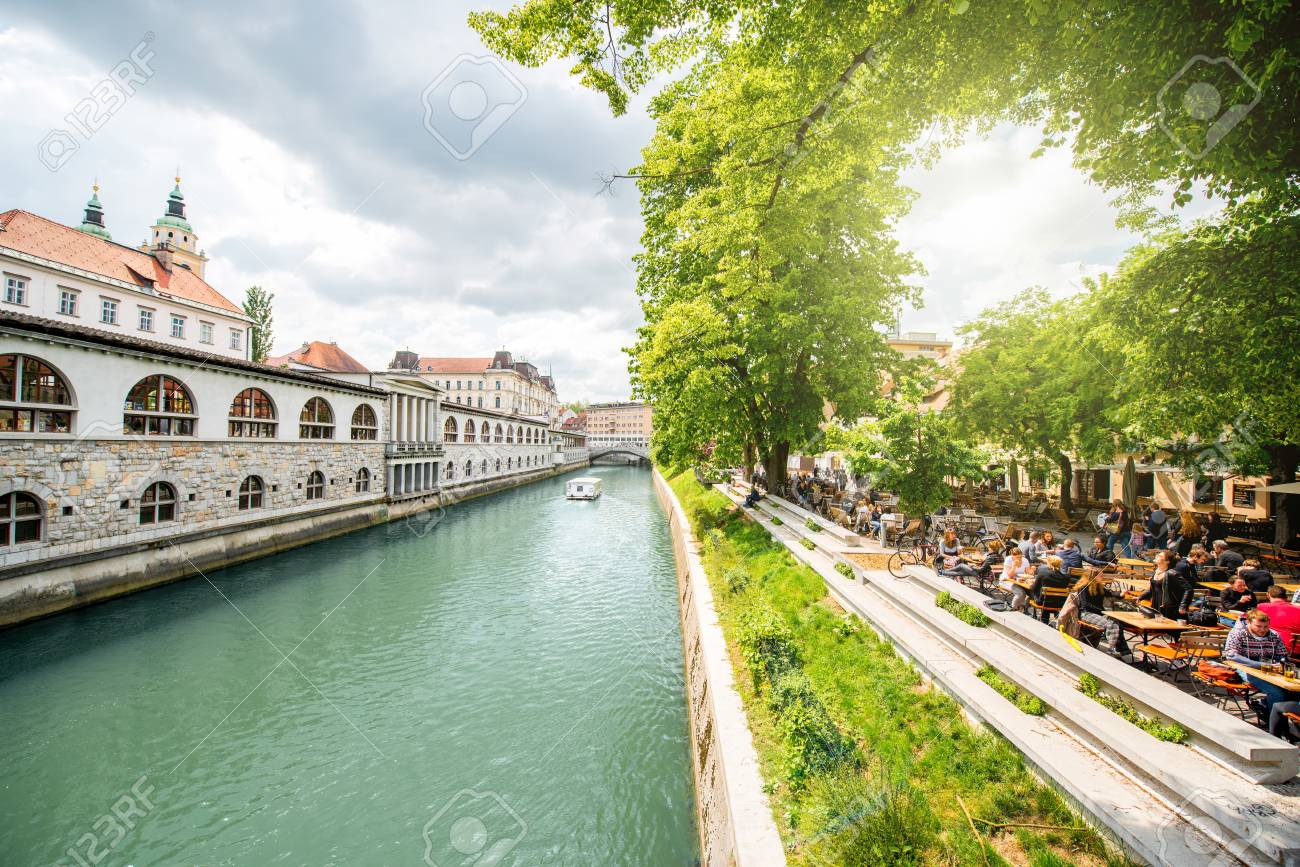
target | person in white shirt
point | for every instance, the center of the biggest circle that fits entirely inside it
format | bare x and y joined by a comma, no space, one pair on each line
1014,569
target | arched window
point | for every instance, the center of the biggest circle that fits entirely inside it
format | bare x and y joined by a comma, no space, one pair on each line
485,433
449,430
365,425
483,468
363,480
510,463
510,433
30,393
469,469
158,504
498,465
159,406
21,516
469,430
449,471
251,493
252,414
316,485
500,434
316,422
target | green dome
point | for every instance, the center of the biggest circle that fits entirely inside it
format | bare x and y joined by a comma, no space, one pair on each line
93,224
175,214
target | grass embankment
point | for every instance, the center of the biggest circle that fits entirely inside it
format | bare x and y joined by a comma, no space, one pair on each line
863,762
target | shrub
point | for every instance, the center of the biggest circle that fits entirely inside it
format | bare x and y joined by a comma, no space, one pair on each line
766,644
812,525
844,569
963,611
1172,732
808,543
811,740
736,578
846,626
714,539
1028,703
776,522
853,820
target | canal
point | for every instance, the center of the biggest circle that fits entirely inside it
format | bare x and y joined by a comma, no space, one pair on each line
500,684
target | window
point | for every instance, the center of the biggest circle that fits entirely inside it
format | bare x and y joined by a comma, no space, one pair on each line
1146,484
316,422
252,415
483,467
469,469
498,386
108,311
159,406
236,339
500,434
449,430
510,433
251,493
450,471
316,485
498,467
146,319
68,301
20,519
485,433
510,463
33,397
363,480
178,327
205,331
15,289
480,402
458,385
158,504
469,431
365,426
498,402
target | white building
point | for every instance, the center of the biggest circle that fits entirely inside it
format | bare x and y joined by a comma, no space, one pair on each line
499,382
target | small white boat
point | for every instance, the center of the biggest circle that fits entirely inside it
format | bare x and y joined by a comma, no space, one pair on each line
582,488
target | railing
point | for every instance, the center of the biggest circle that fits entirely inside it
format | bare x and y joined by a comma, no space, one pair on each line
412,449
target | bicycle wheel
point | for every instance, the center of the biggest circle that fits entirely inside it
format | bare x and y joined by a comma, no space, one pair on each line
899,561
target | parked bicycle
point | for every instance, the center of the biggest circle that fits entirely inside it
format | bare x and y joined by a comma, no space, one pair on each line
912,549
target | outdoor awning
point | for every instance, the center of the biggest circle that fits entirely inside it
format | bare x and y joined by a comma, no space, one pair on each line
1284,488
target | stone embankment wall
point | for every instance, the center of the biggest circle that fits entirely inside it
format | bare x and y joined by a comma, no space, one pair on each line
734,817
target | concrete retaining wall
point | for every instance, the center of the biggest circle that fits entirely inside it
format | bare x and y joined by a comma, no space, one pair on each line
44,588
734,818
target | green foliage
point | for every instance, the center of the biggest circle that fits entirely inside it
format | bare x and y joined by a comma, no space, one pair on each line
764,640
963,611
1172,732
844,569
1026,702
776,522
813,743
257,306
846,626
808,543
812,525
736,578
713,538
854,820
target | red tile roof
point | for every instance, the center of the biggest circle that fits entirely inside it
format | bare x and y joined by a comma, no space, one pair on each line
577,423
454,365
322,356
46,239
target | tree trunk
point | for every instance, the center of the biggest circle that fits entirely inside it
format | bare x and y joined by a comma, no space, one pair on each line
777,457
1067,481
1283,460
749,461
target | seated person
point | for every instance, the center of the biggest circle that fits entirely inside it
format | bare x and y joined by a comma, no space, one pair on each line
1237,597
949,551
1099,555
1071,556
992,560
753,496
1048,541
1258,579
1168,589
1283,616
1032,547
1091,590
1048,576
1226,563
1256,645
1015,568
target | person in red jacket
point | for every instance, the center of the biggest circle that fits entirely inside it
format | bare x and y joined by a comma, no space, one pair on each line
1283,616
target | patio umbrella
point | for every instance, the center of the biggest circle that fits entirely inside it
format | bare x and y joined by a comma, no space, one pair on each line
1284,488
1130,483
1013,476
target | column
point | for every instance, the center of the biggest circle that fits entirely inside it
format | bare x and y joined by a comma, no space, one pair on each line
410,418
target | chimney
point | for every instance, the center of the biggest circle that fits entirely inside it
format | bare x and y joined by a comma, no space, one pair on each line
163,253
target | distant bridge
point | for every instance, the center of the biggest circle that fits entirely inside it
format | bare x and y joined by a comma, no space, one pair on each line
629,449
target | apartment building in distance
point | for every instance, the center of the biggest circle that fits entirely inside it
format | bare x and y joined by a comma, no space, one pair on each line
497,382
627,423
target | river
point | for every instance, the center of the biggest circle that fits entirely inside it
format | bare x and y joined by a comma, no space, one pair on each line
497,684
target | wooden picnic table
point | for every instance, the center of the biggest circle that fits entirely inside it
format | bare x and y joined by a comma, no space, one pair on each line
1139,624
1276,678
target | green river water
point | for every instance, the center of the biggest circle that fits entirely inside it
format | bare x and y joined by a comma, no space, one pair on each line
500,686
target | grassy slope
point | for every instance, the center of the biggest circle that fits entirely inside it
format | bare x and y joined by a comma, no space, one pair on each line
900,806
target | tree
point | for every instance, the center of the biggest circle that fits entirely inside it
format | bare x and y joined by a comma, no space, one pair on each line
257,306
1212,365
1029,385
909,450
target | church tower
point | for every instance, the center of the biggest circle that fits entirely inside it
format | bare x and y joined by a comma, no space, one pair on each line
94,222
173,234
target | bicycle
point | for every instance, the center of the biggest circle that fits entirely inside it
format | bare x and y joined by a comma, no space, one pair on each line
918,550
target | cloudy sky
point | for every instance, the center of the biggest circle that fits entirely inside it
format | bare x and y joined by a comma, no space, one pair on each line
310,166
